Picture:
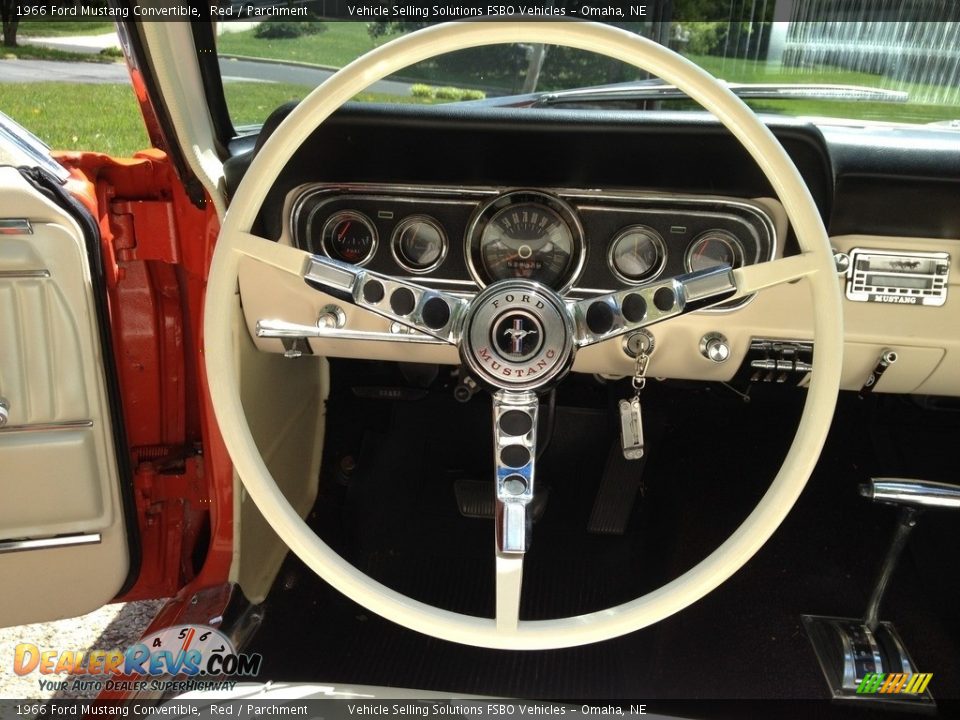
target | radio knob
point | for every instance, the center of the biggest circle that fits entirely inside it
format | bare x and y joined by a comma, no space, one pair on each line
842,261
4,412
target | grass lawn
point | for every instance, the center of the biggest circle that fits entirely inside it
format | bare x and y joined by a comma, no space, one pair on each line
53,111
57,28
337,46
251,103
38,52
113,124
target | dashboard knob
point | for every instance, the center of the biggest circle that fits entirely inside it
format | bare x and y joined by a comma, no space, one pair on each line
842,261
4,412
714,346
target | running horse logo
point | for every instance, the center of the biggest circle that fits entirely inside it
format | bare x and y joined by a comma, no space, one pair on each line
516,334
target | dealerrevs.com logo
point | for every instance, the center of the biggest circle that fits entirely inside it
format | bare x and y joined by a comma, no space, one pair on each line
200,654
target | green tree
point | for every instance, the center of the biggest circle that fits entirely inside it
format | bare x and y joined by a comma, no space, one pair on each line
9,15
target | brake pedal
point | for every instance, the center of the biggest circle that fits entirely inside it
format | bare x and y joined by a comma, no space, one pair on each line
475,499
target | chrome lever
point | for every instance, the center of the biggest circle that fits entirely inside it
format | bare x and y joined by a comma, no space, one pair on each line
399,333
912,493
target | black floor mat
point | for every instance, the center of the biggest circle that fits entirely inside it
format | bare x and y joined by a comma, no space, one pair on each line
710,458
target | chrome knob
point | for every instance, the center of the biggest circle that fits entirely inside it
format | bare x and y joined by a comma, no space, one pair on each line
842,261
714,346
4,412
331,317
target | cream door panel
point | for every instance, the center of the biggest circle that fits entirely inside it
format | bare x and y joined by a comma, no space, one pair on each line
63,544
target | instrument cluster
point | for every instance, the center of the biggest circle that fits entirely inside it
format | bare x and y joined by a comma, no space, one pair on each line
581,242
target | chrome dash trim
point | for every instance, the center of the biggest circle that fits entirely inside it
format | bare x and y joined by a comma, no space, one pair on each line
47,427
478,194
12,546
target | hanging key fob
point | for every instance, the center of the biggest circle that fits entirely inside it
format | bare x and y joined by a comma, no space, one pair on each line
631,429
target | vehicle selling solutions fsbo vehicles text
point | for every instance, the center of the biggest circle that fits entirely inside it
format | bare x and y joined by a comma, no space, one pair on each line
367,12
488,709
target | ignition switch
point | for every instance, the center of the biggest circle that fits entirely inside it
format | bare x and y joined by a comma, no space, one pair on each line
641,341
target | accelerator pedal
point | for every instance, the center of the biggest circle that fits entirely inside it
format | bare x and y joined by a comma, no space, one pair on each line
622,480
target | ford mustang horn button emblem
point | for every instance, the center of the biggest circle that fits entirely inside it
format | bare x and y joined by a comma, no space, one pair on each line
518,336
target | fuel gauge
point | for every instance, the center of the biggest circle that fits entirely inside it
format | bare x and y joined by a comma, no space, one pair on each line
349,236
637,254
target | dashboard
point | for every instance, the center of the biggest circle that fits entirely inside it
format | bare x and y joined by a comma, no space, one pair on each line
577,242
589,202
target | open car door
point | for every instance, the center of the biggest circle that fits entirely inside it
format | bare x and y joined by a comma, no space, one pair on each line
65,548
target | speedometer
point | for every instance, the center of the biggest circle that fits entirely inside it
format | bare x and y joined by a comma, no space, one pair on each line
529,235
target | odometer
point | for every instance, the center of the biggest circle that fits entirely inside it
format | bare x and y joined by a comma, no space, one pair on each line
527,235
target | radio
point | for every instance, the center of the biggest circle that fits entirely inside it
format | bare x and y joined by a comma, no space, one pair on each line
901,278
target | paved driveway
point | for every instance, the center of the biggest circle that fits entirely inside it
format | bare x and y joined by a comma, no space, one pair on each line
34,71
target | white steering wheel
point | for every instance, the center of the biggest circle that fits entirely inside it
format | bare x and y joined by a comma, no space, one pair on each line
564,326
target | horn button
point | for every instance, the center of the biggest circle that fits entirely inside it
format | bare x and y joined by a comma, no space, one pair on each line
518,336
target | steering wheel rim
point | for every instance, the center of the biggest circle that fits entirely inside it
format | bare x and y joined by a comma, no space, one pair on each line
815,264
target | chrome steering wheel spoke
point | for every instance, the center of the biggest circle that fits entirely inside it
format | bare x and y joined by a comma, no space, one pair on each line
617,313
434,313
515,456
514,447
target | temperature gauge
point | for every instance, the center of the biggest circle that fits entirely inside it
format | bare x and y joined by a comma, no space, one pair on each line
637,254
419,244
349,236
713,248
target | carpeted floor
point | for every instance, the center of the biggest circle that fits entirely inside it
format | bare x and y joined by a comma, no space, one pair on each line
711,456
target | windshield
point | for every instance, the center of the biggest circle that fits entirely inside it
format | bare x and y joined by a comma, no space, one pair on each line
779,55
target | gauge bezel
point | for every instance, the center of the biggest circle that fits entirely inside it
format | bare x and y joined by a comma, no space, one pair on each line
359,217
397,253
486,212
653,274
725,236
